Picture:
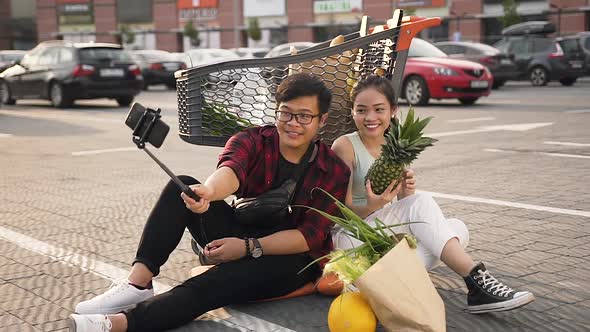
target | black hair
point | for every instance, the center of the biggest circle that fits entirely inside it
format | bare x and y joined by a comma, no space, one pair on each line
302,84
379,83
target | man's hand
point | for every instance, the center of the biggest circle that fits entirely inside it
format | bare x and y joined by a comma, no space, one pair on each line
225,250
408,184
201,206
376,202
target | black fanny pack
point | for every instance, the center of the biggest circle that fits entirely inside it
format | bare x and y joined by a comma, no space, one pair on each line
266,208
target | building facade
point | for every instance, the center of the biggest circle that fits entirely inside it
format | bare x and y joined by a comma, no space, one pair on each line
161,24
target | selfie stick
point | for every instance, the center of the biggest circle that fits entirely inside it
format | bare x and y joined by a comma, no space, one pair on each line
140,142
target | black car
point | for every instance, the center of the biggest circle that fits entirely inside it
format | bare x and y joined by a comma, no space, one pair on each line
158,67
541,59
500,65
63,72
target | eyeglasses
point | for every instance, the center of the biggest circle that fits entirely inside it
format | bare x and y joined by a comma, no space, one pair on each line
302,118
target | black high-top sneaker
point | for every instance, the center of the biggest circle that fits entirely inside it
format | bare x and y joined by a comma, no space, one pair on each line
486,294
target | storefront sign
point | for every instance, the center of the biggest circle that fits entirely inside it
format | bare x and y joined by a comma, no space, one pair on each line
260,8
337,6
418,3
197,10
74,12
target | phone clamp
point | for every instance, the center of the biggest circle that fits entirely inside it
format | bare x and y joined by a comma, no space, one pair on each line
141,135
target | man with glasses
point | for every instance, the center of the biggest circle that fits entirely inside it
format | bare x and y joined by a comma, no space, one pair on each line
253,262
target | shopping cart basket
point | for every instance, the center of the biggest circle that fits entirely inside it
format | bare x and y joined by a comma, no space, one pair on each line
220,99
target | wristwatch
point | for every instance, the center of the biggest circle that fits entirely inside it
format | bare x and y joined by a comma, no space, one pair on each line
257,250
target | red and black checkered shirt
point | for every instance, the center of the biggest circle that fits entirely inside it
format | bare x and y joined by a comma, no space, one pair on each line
254,156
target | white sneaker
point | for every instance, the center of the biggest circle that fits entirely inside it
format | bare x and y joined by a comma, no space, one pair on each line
120,296
90,323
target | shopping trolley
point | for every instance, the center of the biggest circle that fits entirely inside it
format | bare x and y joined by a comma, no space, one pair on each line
218,100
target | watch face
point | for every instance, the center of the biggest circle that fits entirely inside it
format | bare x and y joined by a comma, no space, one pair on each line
256,252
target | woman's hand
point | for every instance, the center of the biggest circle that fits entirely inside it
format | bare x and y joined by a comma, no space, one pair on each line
202,205
376,202
408,184
225,250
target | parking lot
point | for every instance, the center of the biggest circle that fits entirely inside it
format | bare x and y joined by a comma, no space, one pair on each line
75,192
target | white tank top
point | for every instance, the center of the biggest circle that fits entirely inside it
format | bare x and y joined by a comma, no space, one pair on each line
363,160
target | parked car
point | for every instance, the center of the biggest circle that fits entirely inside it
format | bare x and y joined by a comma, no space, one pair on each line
205,56
431,73
584,38
500,65
284,49
539,58
250,52
63,72
9,58
158,67
252,98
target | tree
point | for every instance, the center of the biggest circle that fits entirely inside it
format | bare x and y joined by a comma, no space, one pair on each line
192,33
254,30
510,15
126,34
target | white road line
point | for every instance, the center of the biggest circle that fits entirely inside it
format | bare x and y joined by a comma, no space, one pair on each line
564,155
511,204
89,152
578,111
471,120
236,320
485,129
5,135
566,143
551,154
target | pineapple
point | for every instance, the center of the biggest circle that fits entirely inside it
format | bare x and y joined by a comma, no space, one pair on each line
403,144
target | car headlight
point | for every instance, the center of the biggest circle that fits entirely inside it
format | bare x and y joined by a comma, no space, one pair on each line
443,71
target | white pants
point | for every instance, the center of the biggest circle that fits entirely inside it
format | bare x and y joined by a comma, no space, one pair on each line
433,232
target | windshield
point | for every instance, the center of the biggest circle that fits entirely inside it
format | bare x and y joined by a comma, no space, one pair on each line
422,48
94,54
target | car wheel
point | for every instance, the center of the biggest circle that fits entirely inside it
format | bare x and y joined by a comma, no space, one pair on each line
5,97
568,81
125,101
171,86
416,91
468,101
539,76
497,84
58,97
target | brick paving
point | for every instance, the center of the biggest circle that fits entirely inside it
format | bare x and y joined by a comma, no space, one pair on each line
81,209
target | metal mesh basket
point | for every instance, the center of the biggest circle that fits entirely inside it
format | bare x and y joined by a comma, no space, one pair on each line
218,100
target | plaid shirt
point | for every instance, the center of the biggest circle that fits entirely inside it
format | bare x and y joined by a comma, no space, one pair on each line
253,155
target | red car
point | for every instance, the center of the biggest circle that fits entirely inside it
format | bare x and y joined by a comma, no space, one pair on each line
430,73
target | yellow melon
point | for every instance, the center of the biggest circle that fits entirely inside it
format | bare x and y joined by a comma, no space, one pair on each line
350,312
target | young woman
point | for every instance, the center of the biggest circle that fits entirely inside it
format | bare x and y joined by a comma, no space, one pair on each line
439,239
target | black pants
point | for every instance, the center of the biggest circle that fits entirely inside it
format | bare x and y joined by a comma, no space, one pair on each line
240,281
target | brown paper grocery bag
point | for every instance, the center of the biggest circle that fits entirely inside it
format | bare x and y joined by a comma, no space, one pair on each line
401,293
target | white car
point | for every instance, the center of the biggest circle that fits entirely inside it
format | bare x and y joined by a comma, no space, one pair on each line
204,56
251,98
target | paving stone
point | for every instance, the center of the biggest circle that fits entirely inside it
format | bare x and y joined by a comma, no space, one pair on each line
40,314
24,328
59,325
566,325
542,304
572,312
7,321
29,300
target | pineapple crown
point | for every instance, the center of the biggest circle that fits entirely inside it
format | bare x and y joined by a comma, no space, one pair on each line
403,143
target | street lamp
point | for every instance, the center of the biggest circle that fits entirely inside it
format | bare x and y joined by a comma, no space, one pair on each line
458,17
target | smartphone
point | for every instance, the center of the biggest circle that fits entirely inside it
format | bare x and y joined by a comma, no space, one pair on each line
159,130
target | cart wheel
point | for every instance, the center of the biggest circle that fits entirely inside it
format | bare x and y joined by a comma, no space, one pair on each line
125,101
416,91
568,81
